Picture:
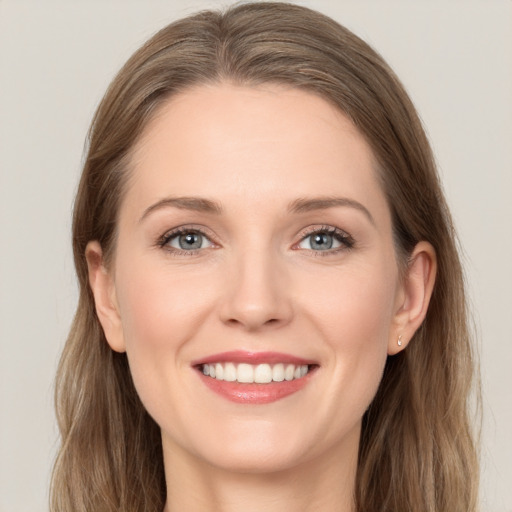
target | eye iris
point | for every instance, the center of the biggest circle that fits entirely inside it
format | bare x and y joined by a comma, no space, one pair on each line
321,241
190,241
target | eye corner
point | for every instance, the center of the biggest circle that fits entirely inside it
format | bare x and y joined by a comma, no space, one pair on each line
333,240
199,240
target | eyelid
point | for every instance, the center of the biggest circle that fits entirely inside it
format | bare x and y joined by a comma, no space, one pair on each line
345,238
164,239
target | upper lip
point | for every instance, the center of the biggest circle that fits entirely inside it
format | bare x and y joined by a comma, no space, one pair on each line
242,356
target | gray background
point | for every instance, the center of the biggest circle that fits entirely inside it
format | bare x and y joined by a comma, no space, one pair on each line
56,59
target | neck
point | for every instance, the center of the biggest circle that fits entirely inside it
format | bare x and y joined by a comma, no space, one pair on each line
325,484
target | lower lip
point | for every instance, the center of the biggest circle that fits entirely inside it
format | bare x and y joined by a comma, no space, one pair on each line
255,393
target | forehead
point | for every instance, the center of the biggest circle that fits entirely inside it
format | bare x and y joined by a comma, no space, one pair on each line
252,144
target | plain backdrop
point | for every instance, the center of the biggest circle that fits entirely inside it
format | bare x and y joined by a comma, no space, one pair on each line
57,58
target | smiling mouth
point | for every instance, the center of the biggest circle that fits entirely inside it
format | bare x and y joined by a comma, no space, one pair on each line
264,373
254,378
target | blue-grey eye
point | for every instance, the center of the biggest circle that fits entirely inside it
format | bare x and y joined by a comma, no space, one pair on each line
189,241
320,241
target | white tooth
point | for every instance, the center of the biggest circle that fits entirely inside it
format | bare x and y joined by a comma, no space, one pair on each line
245,373
278,372
296,373
303,370
230,372
212,370
263,374
288,373
219,372
206,369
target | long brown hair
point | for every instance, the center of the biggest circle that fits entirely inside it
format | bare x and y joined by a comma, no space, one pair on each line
417,451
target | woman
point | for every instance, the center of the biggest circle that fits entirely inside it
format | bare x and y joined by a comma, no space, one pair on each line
272,311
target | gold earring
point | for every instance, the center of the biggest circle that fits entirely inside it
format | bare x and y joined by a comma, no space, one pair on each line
399,340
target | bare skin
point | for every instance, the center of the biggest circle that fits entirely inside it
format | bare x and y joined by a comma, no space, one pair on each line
254,222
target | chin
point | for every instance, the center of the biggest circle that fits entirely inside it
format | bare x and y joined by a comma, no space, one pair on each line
270,445
258,460
248,445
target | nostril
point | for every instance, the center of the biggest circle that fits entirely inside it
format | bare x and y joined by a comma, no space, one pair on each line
253,323
255,307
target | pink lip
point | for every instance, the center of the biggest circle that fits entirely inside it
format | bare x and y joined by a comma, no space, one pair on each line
254,393
242,356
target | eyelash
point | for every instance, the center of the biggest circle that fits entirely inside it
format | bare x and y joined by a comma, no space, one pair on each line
346,240
164,240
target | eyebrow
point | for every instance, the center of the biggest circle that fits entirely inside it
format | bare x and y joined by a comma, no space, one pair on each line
303,205
197,204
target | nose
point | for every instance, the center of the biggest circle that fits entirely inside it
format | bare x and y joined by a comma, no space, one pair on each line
257,293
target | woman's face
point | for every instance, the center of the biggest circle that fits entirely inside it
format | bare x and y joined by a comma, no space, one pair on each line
254,242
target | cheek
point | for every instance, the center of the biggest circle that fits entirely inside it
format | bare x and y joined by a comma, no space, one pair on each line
356,310
159,309
161,312
163,308
355,319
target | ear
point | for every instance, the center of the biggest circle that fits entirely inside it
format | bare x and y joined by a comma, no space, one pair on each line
414,296
103,289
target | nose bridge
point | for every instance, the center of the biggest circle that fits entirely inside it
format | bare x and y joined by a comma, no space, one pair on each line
256,295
